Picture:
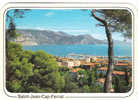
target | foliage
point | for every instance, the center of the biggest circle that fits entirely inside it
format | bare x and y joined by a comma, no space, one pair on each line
70,85
118,21
28,69
11,15
113,21
96,89
38,72
18,70
121,85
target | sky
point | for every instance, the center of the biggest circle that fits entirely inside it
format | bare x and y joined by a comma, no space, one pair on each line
71,21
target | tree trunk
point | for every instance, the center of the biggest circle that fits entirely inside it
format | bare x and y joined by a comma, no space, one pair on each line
108,79
127,77
117,85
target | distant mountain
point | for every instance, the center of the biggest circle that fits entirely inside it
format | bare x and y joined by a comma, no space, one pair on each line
38,37
117,42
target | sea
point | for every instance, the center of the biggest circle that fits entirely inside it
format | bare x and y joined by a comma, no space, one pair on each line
93,49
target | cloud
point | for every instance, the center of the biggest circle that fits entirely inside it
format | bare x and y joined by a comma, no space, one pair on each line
49,14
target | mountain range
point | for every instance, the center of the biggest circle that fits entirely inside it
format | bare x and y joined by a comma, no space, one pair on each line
40,37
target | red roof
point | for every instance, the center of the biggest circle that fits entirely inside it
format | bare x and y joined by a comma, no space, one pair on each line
118,72
76,69
101,80
121,64
89,64
103,68
100,59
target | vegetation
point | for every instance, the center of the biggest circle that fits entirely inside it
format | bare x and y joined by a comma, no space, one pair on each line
28,71
113,21
38,72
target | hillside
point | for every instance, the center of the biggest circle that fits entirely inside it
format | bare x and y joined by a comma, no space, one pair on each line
39,37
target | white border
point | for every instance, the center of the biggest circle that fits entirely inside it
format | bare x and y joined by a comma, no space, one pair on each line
75,6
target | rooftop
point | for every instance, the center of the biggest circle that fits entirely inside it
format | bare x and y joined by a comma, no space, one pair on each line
101,80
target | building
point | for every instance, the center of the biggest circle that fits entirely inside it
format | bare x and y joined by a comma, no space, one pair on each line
100,81
68,64
76,70
64,59
76,62
122,66
120,73
100,60
94,59
59,64
102,70
88,65
87,59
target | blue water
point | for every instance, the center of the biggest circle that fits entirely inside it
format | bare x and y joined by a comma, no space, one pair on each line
94,50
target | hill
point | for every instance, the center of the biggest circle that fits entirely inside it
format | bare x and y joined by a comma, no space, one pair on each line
39,37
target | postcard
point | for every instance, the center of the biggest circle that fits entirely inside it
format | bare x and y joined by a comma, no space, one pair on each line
68,51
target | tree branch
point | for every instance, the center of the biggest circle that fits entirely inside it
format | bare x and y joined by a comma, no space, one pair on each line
97,18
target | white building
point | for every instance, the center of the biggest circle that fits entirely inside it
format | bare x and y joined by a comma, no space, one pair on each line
76,63
88,59
68,64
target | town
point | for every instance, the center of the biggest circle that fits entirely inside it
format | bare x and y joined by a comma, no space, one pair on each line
78,62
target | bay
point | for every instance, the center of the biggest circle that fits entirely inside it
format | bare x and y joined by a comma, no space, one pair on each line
93,50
